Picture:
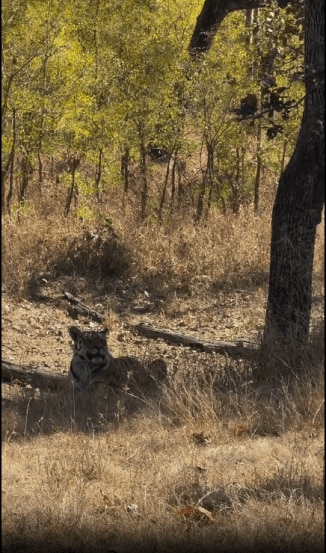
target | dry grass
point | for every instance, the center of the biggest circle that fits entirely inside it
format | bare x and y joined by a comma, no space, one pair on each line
218,465
177,255
140,485
225,251
125,474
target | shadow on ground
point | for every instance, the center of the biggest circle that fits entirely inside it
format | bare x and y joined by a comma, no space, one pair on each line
28,412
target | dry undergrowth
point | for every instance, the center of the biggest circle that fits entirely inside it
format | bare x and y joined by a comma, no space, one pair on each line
217,461
140,486
193,471
177,256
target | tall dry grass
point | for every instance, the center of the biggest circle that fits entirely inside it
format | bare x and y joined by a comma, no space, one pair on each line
228,251
212,465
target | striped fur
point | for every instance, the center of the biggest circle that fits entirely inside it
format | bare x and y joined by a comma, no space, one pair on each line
92,363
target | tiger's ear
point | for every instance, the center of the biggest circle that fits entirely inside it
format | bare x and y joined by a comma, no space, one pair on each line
74,332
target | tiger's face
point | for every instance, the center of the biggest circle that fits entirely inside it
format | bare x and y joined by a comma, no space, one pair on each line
89,340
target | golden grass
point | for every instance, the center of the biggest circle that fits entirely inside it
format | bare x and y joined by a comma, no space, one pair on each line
179,257
110,473
225,250
141,486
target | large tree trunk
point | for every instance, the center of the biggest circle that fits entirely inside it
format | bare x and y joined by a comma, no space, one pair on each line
299,201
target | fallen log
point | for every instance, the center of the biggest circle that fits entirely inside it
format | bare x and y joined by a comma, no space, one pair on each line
83,309
37,378
239,348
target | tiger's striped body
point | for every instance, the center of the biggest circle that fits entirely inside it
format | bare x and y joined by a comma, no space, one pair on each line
92,363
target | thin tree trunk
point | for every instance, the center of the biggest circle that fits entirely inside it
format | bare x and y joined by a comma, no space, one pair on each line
210,173
249,23
173,171
143,169
73,190
12,161
70,195
165,185
6,97
40,170
236,185
95,36
26,171
258,169
98,175
203,184
200,200
4,173
125,163
181,187
42,116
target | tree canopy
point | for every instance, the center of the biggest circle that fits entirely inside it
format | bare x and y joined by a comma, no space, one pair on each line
107,83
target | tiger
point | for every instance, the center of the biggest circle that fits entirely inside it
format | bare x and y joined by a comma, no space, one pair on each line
92,363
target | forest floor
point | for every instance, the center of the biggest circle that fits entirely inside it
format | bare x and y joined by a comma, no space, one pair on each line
155,482
216,461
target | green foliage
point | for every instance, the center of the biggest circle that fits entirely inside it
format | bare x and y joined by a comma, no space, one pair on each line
85,213
102,78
